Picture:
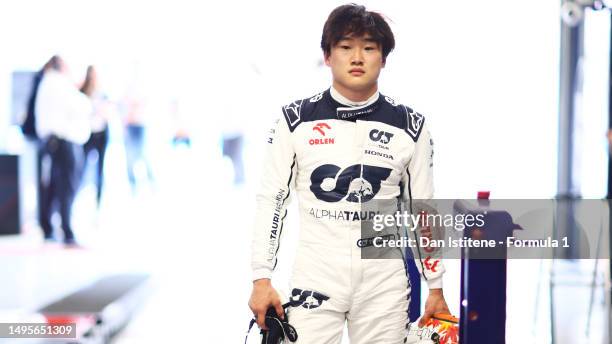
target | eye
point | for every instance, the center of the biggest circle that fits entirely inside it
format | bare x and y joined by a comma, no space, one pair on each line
370,48
345,47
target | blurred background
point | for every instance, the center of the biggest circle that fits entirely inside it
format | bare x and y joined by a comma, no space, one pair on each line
184,93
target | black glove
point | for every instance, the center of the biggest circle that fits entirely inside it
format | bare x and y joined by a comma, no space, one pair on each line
278,329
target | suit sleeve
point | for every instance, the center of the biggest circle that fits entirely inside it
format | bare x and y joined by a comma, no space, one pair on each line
274,194
418,190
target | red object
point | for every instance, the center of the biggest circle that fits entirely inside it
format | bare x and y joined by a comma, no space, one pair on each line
83,322
446,326
484,194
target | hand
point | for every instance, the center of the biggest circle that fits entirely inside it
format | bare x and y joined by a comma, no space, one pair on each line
262,297
435,304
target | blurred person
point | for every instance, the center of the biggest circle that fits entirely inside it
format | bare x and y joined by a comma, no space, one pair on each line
338,149
98,140
181,134
232,147
135,137
63,125
28,127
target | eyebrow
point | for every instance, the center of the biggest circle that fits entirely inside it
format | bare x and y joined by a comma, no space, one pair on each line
351,38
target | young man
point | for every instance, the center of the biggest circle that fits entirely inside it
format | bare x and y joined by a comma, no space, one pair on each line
339,149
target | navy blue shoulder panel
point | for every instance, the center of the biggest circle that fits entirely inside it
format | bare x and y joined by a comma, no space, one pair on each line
302,110
322,106
415,124
400,116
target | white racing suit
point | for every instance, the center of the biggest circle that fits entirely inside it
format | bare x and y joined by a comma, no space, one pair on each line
334,158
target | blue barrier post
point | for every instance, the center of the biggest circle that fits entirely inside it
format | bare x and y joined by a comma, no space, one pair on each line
483,276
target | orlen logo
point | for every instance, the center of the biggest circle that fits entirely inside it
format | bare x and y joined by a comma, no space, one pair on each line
356,183
380,136
320,128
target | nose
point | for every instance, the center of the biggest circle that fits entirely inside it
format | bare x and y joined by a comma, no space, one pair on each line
357,58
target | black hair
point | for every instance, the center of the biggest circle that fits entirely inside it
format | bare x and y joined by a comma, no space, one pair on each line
55,63
353,19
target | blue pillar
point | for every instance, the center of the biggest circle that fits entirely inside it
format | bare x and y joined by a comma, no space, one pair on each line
483,278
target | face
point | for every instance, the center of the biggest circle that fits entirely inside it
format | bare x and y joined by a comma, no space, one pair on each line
355,63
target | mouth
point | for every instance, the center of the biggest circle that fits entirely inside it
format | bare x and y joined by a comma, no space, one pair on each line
357,72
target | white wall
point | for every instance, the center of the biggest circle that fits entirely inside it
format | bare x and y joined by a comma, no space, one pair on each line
484,73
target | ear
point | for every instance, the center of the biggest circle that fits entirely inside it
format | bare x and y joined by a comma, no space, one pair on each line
384,63
326,59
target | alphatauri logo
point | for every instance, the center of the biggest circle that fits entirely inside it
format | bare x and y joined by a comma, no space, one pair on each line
380,136
356,183
306,298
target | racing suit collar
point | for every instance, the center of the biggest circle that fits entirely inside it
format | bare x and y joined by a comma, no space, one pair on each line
349,103
348,110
